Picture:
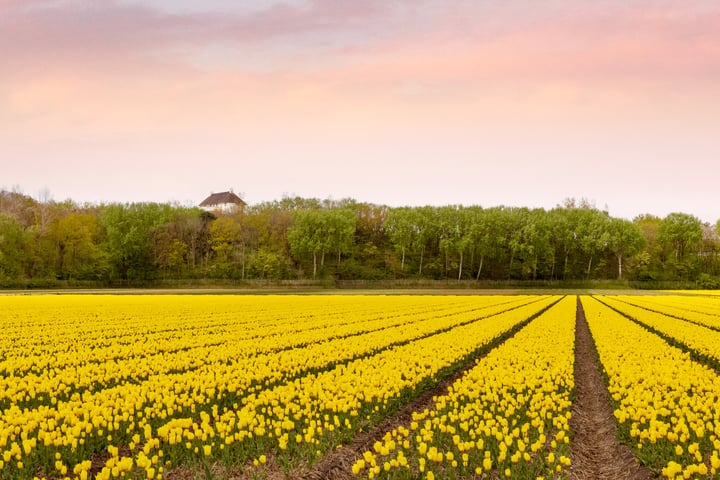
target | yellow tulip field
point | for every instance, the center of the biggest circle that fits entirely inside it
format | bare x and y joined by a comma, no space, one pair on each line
509,413
667,404
256,386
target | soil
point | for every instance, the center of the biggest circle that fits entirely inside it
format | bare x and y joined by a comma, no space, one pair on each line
595,451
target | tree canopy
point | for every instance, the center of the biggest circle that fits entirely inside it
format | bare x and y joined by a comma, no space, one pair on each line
137,243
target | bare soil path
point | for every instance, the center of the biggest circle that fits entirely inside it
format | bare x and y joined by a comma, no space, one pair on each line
595,451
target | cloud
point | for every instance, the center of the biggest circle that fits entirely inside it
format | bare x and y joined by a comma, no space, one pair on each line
94,67
87,27
318,35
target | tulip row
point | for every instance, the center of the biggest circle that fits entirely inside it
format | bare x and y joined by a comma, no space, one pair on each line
237,392
702,340
47,336
667,405
319,412
699,310
506,417
80,373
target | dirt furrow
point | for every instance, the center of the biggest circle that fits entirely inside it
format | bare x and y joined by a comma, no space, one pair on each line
595,451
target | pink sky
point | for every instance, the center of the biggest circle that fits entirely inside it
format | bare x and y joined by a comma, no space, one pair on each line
388,101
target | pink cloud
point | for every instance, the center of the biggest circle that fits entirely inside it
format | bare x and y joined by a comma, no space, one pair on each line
80,27
88,68
330,34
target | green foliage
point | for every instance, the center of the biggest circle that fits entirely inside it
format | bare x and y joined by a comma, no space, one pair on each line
44,242
681,230
682,233
307,237
401,227
625,239
177,252
129,229
708,282
317,232
12,244
78,256
224,234
268,264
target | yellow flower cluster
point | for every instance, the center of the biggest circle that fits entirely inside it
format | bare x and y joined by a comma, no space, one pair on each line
700,310
710,293
196,374
667,405
96,368
312,408
696,337
507,416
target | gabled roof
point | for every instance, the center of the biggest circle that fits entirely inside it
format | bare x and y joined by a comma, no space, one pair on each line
222,198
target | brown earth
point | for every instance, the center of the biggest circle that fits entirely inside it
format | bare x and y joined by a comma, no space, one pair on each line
595,451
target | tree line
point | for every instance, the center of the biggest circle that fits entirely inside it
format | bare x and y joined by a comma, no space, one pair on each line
46,242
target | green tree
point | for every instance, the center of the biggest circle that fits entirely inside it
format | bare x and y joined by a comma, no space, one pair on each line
12,246
177,252
651,260
224,238
626,239
224,234
579,233
129,232
426,233
366,259
486,236
307,236
341,224
683,231
709,251
402,229
179,246
451,226
466,217
592,234
450,231
76,238
535,239
562,238
267,263
317,232
511,221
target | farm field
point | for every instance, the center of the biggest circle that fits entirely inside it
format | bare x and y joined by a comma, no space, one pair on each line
357,386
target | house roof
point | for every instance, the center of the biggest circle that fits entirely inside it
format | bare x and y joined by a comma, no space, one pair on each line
221,199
